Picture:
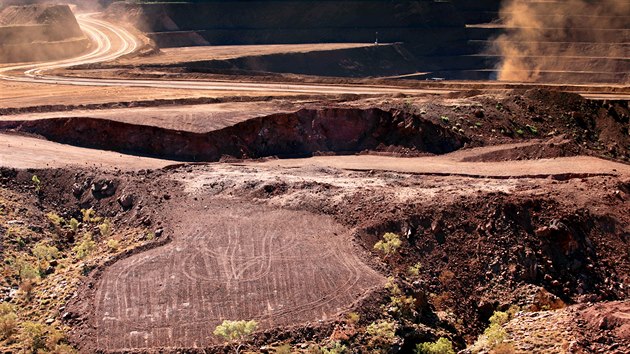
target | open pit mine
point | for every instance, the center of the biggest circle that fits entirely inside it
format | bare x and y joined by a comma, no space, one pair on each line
336,176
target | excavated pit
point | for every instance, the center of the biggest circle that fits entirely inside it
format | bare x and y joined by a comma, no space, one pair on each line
299,134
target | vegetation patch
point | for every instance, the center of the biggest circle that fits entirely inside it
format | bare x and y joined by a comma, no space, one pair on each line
42,267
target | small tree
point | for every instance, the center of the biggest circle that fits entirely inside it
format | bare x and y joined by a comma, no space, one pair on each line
389,244
236,332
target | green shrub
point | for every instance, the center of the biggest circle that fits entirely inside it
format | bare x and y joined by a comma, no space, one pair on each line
500,318
37,183
89,216
236,332
441,346
399,303
113,244
44,255
105,228
494,335
85,247
382,334
26,270
150,236
73,224
8,321
390,244
43,252
334,348
353,317
414,270
34,336
55,219
532,129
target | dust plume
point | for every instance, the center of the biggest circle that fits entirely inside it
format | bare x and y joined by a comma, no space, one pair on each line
39,32
547,40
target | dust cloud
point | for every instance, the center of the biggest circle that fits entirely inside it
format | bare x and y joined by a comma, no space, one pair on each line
559,36
38,32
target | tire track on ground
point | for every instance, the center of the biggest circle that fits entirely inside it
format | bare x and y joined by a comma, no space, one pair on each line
236,261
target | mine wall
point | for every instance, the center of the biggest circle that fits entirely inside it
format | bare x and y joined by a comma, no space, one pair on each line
456,39
427,27
433,34
352,62
300,134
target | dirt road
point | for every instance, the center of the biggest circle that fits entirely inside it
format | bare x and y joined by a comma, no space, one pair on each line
111,41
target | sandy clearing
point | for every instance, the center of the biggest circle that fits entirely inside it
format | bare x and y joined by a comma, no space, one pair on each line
26,152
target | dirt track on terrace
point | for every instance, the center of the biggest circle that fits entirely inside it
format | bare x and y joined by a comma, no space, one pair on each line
191,118
229,260
183,54
451,165
22,94
29,152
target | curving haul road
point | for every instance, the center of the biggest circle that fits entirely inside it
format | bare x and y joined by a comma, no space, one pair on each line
111,41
